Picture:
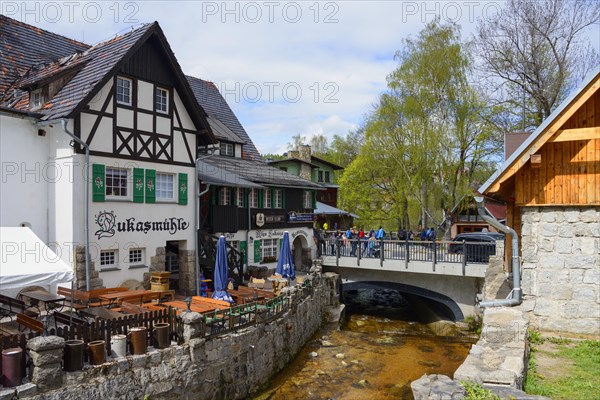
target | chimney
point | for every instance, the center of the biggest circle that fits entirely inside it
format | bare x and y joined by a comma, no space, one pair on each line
304,152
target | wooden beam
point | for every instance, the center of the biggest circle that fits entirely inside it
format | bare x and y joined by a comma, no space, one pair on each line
570,135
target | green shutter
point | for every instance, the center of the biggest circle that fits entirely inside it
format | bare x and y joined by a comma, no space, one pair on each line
150,186
272,197
213,195
282,198
244,249
234,196
261,198
314,199
246,194
98,182
183,189
138,185
257,251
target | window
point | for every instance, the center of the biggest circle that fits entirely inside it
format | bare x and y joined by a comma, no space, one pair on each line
227,149
108,259
36,99
307,199
225,196
116,182
136,256
268,247
164,186
161,100
124,91
327,178
320,176
267,198
253,198
240,197
278,198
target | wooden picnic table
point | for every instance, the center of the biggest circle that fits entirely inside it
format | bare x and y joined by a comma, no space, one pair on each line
195,307
45,298
100,312
130,295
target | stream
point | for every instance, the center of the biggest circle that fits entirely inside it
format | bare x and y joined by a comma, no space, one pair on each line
383,344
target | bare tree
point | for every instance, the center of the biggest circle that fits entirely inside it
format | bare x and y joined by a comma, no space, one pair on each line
537,50
319,144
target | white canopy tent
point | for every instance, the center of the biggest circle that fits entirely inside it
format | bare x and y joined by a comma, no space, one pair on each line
26,261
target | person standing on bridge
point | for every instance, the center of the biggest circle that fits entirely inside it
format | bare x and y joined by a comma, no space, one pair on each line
354,242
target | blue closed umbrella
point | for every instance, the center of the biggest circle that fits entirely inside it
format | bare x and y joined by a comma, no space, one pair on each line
285,264
221,269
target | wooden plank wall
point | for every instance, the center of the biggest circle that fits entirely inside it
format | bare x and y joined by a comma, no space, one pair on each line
570,171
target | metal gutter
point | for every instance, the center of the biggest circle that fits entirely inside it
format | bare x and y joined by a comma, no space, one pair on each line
516,294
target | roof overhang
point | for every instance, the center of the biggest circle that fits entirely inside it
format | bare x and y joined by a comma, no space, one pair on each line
325,209
211,174
549,130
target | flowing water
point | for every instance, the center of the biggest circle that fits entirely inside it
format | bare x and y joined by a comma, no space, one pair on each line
379,349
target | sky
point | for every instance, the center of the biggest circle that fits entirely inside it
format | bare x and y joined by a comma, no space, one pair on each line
285,67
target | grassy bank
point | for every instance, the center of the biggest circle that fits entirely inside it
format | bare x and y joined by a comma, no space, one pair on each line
564,369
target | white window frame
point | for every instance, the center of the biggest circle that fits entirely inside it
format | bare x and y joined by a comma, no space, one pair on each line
159,106
108,259
269,247
267,198
36,99
225,196
226,149
240,197
160,190
278,198
136,256
128,181
253,198
307,199
120,91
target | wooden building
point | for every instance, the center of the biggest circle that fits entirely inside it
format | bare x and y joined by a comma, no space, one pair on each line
551,185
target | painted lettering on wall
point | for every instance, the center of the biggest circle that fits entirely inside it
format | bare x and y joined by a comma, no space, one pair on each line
108,225
300,232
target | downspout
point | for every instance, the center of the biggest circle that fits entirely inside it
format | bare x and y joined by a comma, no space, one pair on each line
516,295
86,196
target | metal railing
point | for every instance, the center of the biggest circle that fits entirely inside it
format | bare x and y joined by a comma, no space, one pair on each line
408,250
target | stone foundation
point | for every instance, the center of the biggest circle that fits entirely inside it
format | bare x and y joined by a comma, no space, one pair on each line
561,268
80,273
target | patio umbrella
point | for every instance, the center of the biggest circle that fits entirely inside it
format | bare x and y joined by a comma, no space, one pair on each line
221,269
285,264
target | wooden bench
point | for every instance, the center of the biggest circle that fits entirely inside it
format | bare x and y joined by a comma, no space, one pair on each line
80,298
10,306
30,323
94,299
129,308
211,301
66,319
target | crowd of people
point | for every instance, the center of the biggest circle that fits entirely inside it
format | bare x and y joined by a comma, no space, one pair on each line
367,243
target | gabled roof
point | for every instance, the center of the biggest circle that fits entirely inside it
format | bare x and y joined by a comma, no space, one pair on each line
320,160
260,172
23,46
292,159
549,127
91,68
209,97
222,132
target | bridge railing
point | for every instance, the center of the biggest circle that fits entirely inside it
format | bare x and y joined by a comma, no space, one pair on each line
406,250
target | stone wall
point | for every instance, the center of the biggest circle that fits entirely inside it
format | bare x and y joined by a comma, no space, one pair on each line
561,268
230,366
80,273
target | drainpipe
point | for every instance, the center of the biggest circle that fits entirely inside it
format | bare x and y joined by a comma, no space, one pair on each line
86,194
516,295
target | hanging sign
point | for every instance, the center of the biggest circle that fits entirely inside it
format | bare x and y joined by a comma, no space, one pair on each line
299,217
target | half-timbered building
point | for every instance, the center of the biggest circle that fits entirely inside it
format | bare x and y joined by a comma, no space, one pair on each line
99,144
551,185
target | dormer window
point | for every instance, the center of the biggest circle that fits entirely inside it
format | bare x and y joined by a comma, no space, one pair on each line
36,99
124,90
161,100
227,149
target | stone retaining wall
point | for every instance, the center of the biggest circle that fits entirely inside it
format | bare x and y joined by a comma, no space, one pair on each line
561,268
230,366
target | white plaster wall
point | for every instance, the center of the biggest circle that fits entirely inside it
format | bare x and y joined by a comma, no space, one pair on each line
163,125
145,92
98,101
124,117
238,150
24,176
186,121
144,122
142,212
